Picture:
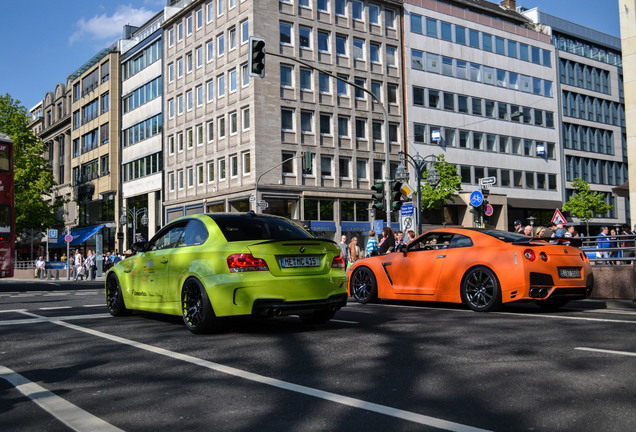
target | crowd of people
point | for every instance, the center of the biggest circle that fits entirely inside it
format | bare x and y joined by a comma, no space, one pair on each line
390,242
81,267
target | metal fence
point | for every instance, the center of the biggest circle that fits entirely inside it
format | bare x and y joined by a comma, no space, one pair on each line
621,252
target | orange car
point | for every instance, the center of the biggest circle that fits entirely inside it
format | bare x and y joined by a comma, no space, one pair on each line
480,267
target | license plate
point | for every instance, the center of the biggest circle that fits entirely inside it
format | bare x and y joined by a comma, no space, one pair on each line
307,261
570,273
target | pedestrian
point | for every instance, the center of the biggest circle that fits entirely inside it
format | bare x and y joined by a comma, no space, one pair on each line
55,257
372,244
613,245
602,242
354,250
539,233
628,244
79,269
93,265
387,244
518,228
527,231
344,249
63,257
569,233
557,232
399,241
410,234
40,265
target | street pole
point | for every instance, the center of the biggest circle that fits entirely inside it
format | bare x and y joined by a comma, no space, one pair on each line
68,256
421,165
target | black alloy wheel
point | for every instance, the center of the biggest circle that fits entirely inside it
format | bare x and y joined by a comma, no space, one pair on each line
364,288
196,309
115,298
481,290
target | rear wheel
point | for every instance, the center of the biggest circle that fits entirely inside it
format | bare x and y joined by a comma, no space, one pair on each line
364,288
317,317
551,304
196,309
115,298
481,290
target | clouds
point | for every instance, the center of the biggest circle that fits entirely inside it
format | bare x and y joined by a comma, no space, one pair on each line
108,28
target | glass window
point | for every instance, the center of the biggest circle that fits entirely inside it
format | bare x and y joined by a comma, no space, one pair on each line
462,69
325,124
416,23
417,59
475,72
358,48
547,58
356,9
512,49
449,137
547,88
304,37
460,35
486,41
285,34
325,166
536,55
464,136
419,132
324,83
374,14
287,119
432,62
503,144
501,78
503,110
447,31
465,174
341,7
323,41
462,104
513,79
431,27
390,56
473,36
477,106
478,141
343,126
341,45
537,86
286,76
306,122
447,66
527,147
433,99
375,53
305,79
500,45
449,101
489,75
490,108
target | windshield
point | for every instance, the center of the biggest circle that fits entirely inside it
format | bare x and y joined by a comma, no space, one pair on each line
247,228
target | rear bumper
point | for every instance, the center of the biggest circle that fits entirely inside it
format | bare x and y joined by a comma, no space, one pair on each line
539,291
274,307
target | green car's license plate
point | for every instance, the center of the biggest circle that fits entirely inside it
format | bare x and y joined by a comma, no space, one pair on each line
308,261
570,273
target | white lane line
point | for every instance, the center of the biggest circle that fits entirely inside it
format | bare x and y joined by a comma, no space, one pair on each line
86,293
625,353
97,305
55,308
12,310
69,414
568,317
344,322
53,294
39,319
333,397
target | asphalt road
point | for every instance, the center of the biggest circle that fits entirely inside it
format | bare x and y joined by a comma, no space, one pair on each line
385,367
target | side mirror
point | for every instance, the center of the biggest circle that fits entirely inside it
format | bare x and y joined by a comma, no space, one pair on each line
403,248
139,246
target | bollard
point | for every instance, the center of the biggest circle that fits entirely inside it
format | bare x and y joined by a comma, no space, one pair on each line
48,274
89,275
57,274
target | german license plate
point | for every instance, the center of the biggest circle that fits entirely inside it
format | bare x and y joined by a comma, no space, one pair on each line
306,261
570,273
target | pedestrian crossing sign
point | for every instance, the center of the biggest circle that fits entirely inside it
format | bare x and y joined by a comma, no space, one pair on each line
558,218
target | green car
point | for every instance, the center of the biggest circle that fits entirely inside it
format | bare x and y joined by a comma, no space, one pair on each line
209,266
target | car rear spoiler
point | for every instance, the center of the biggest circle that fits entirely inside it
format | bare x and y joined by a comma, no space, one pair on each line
568,241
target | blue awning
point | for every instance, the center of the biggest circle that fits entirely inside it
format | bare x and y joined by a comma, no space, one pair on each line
80,235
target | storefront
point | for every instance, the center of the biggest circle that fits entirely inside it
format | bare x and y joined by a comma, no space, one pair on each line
356,229
323,230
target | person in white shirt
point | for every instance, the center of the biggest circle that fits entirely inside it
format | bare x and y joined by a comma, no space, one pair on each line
78,264
40,265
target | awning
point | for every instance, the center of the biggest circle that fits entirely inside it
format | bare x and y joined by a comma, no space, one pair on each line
80,235
534,203
622,190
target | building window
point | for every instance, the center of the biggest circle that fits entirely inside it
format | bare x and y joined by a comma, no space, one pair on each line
287,119
285,33
325,166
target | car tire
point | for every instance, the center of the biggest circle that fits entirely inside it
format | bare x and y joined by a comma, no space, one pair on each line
198,314
551,304
481,290
363,285
115,297
317,317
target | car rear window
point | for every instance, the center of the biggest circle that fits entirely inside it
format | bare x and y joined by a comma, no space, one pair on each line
248,228
504,236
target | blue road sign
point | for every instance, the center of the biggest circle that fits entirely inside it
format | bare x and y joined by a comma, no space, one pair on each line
407,209
476,198
378,225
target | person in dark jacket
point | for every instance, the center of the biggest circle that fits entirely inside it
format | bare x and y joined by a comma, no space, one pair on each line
387,244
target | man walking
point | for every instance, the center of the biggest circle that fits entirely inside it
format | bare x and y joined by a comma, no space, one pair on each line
557,232
603,243
344,248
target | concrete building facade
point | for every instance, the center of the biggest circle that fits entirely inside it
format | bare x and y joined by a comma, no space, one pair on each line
591,111
224,129
480,89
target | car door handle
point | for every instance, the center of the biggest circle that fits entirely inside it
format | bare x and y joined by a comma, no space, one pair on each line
164,260
440,256
127,271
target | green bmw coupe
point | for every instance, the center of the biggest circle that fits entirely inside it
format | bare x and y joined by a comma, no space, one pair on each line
209,266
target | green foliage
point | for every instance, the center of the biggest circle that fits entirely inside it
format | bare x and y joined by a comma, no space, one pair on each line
584,203
34,180
447,189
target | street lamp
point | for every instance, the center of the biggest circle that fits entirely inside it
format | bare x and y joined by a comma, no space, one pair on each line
420,164
134,213
32,232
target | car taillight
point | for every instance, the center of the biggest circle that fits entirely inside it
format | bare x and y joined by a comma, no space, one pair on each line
543,256
529,254
238,263
338,262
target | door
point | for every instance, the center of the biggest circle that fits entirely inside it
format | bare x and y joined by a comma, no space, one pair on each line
417,271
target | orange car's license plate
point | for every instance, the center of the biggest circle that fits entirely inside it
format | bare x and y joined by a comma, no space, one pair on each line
308,261
570,273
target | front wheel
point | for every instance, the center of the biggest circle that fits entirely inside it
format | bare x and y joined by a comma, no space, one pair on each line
364,288
317,317
115,297
196,309
481,290
551,305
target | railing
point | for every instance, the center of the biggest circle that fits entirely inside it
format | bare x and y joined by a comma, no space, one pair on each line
623,252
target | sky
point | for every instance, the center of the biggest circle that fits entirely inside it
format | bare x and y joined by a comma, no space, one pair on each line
43,41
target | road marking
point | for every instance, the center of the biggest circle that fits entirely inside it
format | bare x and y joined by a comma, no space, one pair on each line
97,305
40,319
12,310
71,415
625,353
345,322
86,293
52,294
333,397
55,308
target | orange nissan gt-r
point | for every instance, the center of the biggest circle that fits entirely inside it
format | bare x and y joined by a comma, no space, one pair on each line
482,268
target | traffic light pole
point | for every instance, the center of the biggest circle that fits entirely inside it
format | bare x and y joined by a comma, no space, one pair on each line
387,146
421,165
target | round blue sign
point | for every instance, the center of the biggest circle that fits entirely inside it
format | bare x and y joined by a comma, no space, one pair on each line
476,198
488,210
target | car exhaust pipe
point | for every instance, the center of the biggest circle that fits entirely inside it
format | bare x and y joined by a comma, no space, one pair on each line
533,292
332,307
276,312
543,292
269,313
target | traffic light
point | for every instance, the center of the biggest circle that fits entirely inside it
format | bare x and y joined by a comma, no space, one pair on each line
397,199
307,162
378,196
257,57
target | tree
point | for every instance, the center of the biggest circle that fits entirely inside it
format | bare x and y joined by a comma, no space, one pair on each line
449,184
34,180
585,204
